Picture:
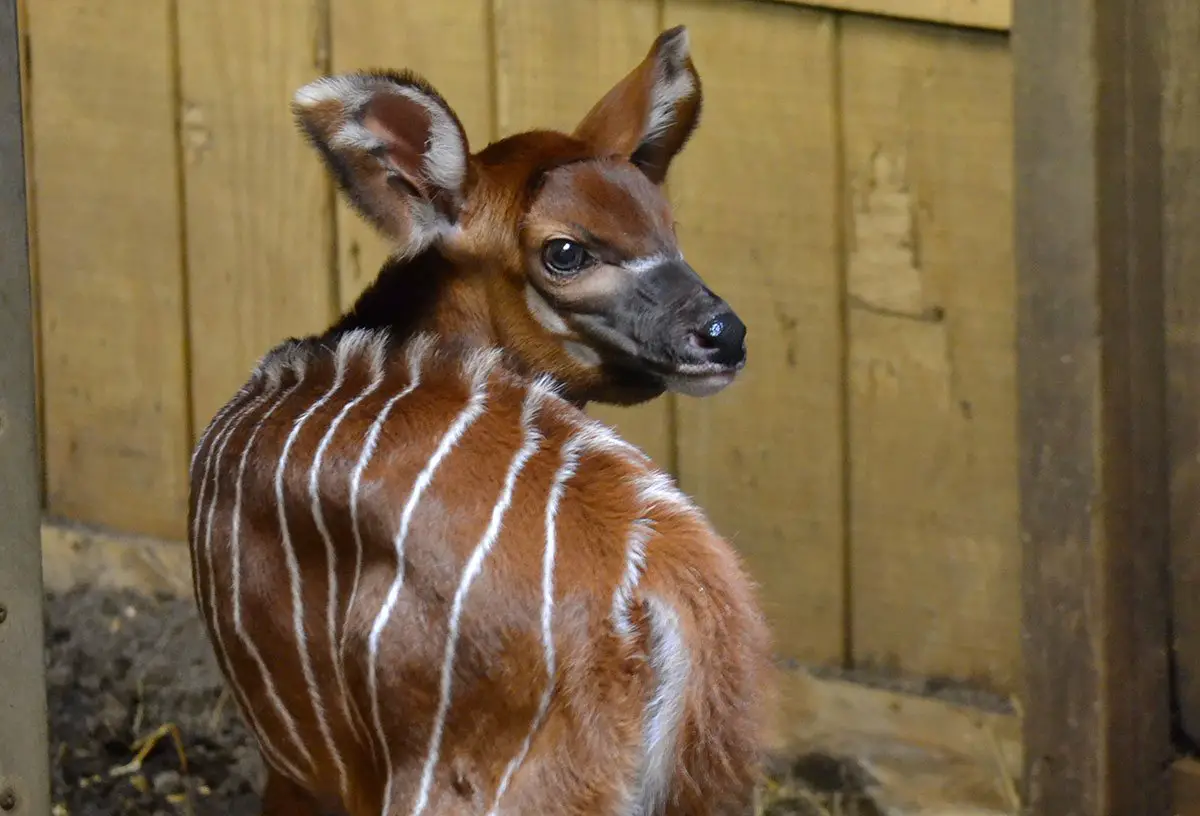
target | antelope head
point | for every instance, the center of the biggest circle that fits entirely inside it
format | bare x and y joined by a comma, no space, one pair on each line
561,248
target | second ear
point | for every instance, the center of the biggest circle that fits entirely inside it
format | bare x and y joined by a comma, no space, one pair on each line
649,115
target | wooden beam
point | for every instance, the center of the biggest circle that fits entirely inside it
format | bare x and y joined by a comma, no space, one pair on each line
1185,788
24,752
1181,248
990,14
1091,385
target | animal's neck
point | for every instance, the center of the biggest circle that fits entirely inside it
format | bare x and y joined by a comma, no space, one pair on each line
412,296
429,293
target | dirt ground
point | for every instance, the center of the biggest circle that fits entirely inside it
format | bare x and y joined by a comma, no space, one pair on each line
121,666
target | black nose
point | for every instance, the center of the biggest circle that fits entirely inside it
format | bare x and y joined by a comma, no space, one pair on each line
725,337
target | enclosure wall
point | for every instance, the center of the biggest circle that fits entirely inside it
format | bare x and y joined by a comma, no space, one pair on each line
849,191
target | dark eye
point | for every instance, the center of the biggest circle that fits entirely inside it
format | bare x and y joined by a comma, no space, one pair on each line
565,256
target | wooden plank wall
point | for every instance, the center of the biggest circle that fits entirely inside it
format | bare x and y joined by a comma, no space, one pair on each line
849,191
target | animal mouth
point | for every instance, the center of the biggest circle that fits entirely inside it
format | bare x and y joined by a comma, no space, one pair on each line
701,380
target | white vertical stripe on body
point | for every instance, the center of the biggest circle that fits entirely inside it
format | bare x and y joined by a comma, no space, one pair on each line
478,368
532,440
570,461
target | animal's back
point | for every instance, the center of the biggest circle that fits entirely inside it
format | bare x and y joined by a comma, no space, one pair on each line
490,598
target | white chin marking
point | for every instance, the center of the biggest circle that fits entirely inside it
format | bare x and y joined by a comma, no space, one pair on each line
702,386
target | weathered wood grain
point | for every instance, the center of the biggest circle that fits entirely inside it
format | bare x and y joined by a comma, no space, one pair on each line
1094,498
258,203
935,549
757,205
24,746
110,272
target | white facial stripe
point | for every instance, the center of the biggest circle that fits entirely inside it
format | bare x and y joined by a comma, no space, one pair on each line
477,367
639,266
544,313
532,441
297,596
552,322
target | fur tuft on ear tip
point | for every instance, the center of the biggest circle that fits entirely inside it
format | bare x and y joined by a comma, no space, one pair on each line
314,93
341,89
354,90
674,46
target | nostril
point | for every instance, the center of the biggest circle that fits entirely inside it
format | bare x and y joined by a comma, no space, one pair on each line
703,339
725,335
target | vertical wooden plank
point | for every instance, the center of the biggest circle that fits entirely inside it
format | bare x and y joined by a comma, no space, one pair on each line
1181,251
1094,501
24,747
935,551
109,260
554,60
23,36
259,218
758,211
449,43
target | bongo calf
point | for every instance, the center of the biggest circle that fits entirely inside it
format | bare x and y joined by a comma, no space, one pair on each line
433,584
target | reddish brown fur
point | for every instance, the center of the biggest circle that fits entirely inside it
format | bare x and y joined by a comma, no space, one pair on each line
689,601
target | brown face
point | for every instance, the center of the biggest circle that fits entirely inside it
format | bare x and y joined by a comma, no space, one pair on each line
604,275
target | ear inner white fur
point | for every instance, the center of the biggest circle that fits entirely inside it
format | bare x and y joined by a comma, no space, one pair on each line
672,84
352,121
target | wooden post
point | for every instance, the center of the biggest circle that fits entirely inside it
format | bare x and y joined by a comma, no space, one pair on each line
1092,417
1181,246
24,751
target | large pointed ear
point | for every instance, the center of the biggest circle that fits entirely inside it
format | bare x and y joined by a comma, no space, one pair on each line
396,149
649,115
